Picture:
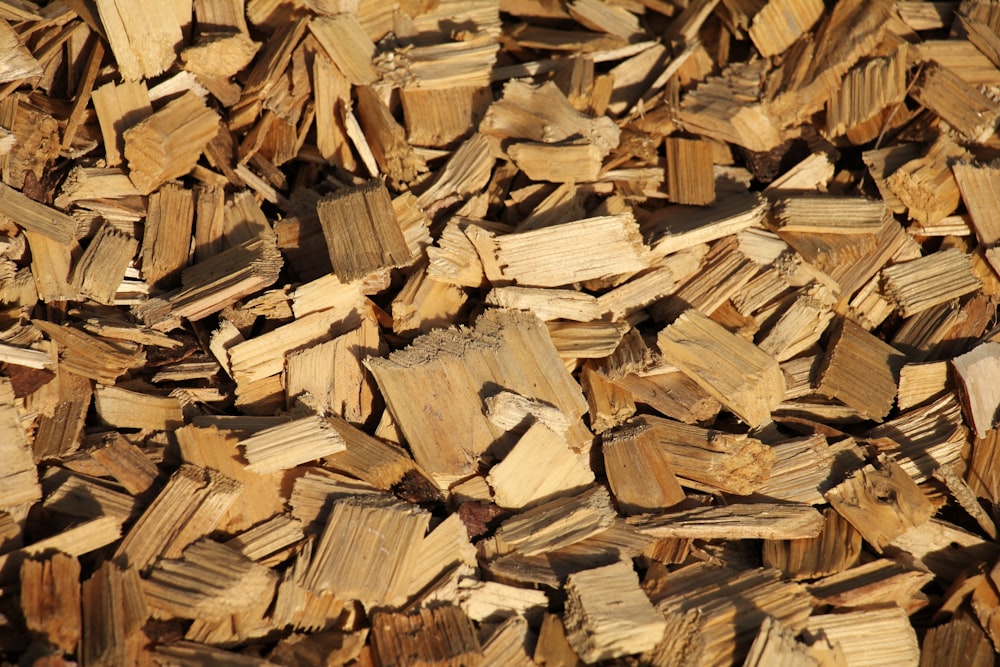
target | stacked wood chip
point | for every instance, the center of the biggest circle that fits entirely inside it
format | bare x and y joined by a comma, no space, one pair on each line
499,332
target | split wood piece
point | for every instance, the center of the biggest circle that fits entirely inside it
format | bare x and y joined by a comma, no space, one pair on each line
440,117
639,469
540,466
924,437
331,95
424,303
242,219
463,176
879,582
331,647
50,267
81,539
263,356
187,508
858,109
881,501
386,140
724,271
981,466
214,283
980,395
661,280
19,482
143,45
734,371
259,497
836,548
58,429
329,292
510,644
716,461
806,467
266,73
607,614
291,444
505,349
780,22
920,284
440,635
166,240
454,258
566,162
489,601
613,20
860,370
101,269
414,223
209,581
813,70
50,599
89,356
548,304
384,534
361,230
557,523
119,107
829,215
332,373
445,548
984,601
978,185
962,106
114,611
728,108
269,539
37,140
728,606
168,143
673,394
608,403
18,62
767,521
369,459
690,177
962,636
586,340
35,216
128,464
123,408
222,46
912,182
802,323
864,636
314,493
775,645
541,113
347,44
676,228
196,653
920,382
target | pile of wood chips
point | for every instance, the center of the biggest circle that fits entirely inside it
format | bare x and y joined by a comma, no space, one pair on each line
499,332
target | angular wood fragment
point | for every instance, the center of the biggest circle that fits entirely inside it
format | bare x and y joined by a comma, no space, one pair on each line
879,582
769,521
925,437
210,580
168,143
81,539
548,304
187,508
35,216
439,635
166,240
714,460
920,382
978,185
913,181
127,464
114,611
836,548
737,373
101,268
923,283
288,445
348,46
981,399
50,599
963,107
383,534
124,408
89,356
829,215
881,501
387,140
143,44
963,636
690,178
639,470
860,370
19,481
361,231
557,523
608,615
223,46
780,22
801,325
856,632
119,107
18,62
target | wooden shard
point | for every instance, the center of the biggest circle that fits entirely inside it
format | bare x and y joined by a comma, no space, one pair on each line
690,178
119,107
166,240
168,143
571,252
34,216
925,437
287,445
557,523
856,632
913,180
879,582
972,114
836,548
978,185
143,45
981,400
737,373
50,599
780,22
347,44
608,615
89,356
361,231
961,635
19,482
881,501
860,370
384,534
101,269
124,408
923,283
829,215
769,521
440,635
639,469
548,304
114,611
